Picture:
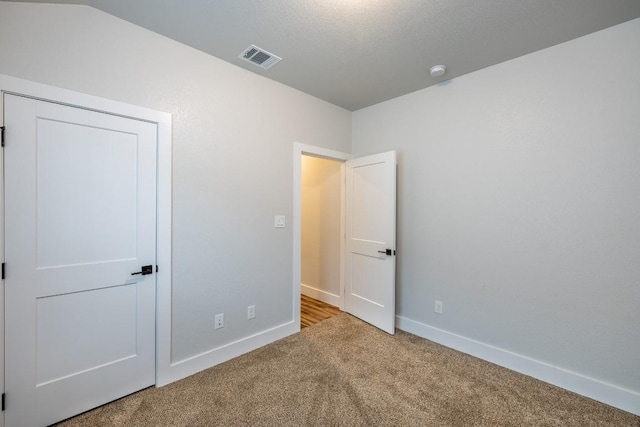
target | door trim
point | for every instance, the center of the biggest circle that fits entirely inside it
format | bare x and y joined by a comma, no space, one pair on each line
300,149
163,123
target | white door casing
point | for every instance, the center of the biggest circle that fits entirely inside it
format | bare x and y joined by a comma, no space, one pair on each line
371,239
80,217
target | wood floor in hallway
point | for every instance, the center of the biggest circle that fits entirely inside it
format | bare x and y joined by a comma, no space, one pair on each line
313,311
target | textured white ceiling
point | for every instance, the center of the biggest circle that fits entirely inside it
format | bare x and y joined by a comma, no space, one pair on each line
355,53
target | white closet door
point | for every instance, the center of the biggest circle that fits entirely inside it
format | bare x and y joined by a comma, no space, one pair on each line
80,218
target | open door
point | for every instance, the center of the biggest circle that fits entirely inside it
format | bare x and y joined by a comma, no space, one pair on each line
371,239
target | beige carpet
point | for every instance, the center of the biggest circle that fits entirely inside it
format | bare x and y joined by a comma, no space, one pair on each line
343,372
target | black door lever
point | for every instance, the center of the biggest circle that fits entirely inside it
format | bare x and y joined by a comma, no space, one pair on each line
146,269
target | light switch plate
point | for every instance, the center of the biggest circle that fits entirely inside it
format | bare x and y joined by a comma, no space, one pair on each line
279,223
438,307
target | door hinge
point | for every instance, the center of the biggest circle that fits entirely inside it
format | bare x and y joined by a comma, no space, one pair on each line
3,271
2,136
3,401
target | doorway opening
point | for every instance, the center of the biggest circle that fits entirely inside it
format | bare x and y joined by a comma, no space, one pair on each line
366,239
318,233
320,228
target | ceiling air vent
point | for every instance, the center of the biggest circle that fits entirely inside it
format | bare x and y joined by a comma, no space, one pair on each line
260,57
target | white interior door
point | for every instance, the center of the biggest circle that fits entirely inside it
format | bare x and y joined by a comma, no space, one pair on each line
371,239
80,218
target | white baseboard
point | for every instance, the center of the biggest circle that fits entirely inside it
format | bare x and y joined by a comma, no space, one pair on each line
627,400
321,295
183,368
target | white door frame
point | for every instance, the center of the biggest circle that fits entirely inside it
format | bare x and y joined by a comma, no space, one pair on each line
300,149
163,208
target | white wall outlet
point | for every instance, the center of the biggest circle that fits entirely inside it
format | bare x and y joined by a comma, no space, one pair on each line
219,321
279,221
251,312
438,307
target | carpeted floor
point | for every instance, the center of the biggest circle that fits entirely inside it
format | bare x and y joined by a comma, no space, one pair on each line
343,372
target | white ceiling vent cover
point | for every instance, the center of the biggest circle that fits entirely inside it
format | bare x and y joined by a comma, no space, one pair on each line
260,57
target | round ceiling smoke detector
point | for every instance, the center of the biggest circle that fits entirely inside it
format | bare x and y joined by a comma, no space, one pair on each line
437,70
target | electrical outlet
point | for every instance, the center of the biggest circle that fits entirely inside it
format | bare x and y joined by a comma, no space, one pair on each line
219,322
251,312
438,307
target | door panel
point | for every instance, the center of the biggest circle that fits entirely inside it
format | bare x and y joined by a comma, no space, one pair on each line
369,270
80,203
102,227
371,230
63,345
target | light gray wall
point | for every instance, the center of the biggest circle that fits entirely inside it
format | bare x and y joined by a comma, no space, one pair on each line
233,134
519,203
320,228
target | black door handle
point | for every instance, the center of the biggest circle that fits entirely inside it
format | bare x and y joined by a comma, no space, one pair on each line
386,252
146,269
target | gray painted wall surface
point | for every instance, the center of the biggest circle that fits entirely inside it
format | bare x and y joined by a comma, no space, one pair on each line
233,135
518,184
519,203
